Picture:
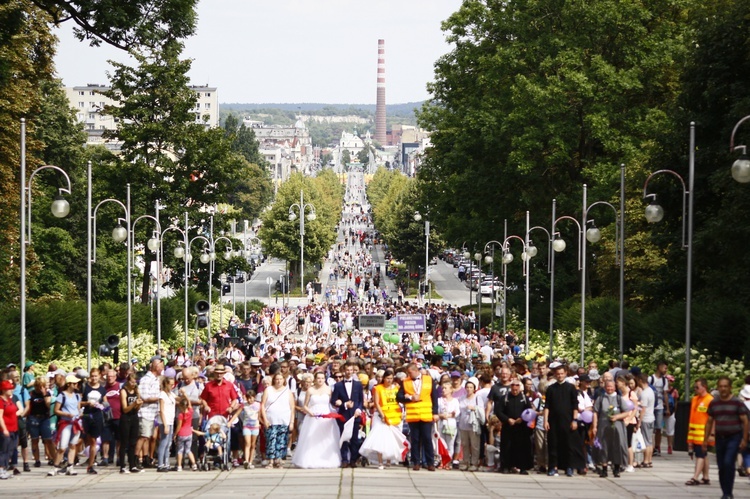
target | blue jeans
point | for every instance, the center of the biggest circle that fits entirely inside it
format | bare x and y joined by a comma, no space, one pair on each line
164,443
727,448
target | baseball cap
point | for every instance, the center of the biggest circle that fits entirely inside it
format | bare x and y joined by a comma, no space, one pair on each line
555,365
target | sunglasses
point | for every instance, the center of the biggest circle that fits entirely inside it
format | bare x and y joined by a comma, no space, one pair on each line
338,376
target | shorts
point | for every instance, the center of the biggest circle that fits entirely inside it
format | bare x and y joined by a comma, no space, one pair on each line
23,436
250,432
39,427
93,424
146,428
111,430
68,438
647,430
659,423
699,452
669,426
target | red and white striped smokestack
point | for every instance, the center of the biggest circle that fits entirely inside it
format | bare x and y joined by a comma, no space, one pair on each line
380,134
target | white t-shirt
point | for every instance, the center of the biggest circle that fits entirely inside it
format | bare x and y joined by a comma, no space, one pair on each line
169,407
486,352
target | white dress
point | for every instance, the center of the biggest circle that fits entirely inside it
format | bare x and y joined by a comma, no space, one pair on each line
385,440
318,442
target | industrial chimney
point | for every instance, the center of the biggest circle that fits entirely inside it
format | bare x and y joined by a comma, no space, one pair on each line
380,134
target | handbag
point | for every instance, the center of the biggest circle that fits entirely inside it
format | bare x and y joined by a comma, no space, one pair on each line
638,442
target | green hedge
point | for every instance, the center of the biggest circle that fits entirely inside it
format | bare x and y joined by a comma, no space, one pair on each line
60,323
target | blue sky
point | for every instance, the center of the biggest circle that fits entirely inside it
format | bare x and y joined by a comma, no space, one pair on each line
296,50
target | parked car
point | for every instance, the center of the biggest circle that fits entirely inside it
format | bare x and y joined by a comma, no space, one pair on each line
490,286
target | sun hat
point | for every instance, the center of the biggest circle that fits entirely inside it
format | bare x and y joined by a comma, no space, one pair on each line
72,378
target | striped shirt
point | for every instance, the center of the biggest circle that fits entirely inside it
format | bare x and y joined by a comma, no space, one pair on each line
726,415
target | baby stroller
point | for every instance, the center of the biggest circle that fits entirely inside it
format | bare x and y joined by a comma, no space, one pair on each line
216,444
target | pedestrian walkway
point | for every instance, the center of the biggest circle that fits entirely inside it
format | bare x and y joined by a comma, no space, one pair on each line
665,480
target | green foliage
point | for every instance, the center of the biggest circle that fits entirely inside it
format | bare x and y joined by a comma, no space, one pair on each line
26,51
281,237
395,198
126,25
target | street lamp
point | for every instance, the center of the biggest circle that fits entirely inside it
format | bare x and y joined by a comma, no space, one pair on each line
153,244
593,235
654,213
119,234
60,209
741,166
467,256
559,245
180,254
418,218
301,207
208,257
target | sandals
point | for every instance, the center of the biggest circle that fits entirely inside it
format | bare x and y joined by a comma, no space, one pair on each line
706,481
692,481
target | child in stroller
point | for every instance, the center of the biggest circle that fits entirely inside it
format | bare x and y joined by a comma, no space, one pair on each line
216,442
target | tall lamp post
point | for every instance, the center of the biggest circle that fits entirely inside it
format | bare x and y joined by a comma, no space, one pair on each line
301,207
467,256
655,213
594,235
418,218
489,250
153,244
506,259
180,254
119,234
208,256
551,271
60,209
559,245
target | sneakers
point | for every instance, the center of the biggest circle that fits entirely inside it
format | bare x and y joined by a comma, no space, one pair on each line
162,469
136,469
179,468
38,464
71,472
552,472
629,469
26,467
235,463
4,475
194,467
124,471
16,471
657,451
53,472
569,472
91,471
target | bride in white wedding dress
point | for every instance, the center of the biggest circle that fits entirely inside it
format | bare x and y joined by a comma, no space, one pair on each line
318,441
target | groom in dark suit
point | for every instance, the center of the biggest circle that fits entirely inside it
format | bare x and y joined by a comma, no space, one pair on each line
348,399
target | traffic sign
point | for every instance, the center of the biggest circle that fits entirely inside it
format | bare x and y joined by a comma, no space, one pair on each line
269,280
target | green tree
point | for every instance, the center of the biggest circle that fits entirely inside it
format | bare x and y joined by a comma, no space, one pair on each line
539,97
281,237
346,158
167,156
127,25
26,51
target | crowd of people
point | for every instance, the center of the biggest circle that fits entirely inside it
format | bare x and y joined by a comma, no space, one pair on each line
307,387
